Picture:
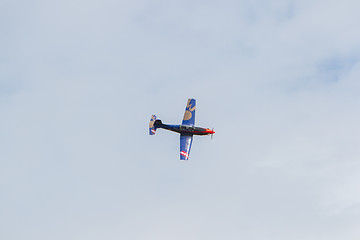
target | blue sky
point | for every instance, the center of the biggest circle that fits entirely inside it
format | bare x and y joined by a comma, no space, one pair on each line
279,82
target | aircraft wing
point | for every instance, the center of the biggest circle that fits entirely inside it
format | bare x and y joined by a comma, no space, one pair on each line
189,115
185,146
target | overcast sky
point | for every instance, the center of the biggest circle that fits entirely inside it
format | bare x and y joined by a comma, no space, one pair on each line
278,80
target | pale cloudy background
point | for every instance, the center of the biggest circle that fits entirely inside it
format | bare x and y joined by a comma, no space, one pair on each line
279,81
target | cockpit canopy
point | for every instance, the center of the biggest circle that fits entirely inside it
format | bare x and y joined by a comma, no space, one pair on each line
186,127
192,128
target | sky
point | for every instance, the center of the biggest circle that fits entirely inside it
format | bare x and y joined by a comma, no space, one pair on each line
278,80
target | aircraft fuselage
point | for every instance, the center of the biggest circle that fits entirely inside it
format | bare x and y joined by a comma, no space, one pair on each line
185,129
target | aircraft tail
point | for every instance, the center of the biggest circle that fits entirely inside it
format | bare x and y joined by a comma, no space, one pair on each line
152,128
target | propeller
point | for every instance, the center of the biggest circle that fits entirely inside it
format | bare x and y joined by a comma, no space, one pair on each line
212,134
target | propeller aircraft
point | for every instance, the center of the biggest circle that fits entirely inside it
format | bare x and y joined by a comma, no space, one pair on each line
187,129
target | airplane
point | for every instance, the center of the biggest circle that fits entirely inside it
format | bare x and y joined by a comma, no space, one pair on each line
187,129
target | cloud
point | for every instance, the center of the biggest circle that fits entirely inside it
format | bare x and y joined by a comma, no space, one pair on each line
278,81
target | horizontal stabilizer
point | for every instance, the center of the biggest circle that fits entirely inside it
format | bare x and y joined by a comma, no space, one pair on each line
152,128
